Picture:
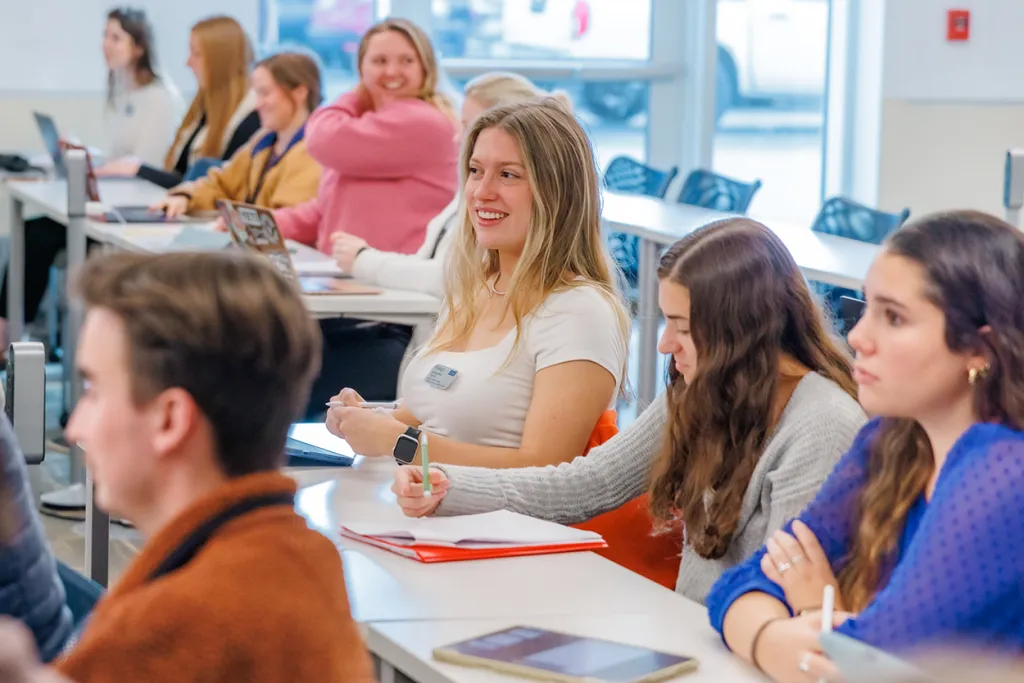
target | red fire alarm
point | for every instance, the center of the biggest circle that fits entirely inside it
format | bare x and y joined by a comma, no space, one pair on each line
959,25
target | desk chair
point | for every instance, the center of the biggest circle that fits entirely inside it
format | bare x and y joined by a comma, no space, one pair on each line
710,190
629,529
844,217
625,174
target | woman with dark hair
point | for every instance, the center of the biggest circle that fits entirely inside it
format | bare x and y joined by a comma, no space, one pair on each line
920,528
143,108
758,411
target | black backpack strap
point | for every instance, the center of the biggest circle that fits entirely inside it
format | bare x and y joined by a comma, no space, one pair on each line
188,548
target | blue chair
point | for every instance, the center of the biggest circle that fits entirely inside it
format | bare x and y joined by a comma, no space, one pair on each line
625,174
846,218
715,191
200,166
82,593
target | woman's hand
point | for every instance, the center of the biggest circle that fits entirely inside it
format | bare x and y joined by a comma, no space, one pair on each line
370,432
172,205
800,567
220,225
408,489
345,249
127,167
19,662
789,650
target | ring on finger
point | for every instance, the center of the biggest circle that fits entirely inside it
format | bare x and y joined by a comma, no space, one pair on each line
784,567
805,662
796,559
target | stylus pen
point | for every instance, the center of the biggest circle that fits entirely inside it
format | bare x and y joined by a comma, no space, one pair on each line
383,405
426,463
828,603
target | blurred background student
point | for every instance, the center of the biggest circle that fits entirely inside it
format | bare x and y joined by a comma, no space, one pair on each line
222,116
141,111
275,168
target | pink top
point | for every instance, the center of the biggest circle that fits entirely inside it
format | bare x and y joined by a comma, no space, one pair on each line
387,172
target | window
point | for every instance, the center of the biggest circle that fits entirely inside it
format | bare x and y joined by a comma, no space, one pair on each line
770,95
594,50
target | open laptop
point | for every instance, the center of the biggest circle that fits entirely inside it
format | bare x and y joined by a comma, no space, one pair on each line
254,228
119,214
51,139
850,311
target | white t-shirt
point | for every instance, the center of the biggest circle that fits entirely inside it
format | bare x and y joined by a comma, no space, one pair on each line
487,408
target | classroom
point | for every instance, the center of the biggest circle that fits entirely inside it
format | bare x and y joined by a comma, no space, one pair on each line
482,341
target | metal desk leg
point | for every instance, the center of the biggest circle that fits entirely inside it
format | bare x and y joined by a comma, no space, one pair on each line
16,273
648,319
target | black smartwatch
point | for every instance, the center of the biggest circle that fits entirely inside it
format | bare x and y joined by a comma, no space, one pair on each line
405,449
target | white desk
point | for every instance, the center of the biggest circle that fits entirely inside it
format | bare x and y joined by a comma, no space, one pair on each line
825,258
408,645
406,608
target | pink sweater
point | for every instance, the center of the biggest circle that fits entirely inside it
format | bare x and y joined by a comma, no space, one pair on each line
386,174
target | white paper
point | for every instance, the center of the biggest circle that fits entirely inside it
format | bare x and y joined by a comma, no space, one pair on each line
502,527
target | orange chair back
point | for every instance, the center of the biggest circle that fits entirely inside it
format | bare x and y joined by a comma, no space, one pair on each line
629,530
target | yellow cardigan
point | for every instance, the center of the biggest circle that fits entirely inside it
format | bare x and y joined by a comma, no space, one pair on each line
292,179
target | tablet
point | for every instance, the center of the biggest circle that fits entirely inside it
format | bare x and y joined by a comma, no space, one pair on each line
859,662
312,441
552,656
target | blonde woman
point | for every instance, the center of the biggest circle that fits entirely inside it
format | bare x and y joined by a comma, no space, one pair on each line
423,271
222,117
532,343
275,169
367,358
388,148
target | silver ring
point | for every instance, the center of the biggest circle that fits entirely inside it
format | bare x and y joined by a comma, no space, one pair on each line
797,560
784,567
805,663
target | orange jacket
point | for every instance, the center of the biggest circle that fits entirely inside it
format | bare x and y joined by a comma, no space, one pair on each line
262,601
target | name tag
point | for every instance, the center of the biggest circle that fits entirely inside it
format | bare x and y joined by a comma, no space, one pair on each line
441,376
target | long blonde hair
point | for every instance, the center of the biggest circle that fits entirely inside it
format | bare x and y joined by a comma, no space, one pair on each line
499,88
563,249
227,58
428,59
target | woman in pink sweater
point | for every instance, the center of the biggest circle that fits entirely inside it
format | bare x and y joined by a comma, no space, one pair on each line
388,148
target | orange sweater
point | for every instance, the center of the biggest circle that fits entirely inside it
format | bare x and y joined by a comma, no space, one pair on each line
263,601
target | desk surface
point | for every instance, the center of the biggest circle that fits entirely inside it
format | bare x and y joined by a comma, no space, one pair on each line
408,608
409,645
50,197
827,258
385,586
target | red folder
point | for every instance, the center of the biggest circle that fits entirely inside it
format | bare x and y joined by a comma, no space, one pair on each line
445,553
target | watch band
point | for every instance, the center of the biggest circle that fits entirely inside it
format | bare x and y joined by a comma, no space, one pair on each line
405,447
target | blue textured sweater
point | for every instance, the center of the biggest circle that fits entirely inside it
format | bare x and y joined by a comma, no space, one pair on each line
959,571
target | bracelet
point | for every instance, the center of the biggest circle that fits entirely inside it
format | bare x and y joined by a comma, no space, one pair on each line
361,250
757,637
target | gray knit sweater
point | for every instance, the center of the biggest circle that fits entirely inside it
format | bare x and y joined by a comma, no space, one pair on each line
817,426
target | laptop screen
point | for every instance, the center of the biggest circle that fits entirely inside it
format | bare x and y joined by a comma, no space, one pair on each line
51,138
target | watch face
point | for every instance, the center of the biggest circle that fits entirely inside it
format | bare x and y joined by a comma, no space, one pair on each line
405,449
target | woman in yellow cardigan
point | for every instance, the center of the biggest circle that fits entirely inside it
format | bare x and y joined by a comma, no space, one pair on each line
274,170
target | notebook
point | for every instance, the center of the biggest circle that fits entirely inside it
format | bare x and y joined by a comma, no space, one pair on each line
254,228
471,537
553,656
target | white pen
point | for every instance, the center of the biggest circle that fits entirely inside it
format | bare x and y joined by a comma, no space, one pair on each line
828,603
383,405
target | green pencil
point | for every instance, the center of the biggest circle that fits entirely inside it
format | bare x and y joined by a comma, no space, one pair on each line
426,463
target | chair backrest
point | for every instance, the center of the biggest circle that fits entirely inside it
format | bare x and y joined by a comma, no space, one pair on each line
715,191
846,218
200,166
82,593
625,174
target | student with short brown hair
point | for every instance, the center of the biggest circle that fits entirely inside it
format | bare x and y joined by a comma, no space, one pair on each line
195,365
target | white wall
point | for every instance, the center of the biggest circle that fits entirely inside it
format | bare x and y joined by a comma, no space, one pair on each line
950,110
52,61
